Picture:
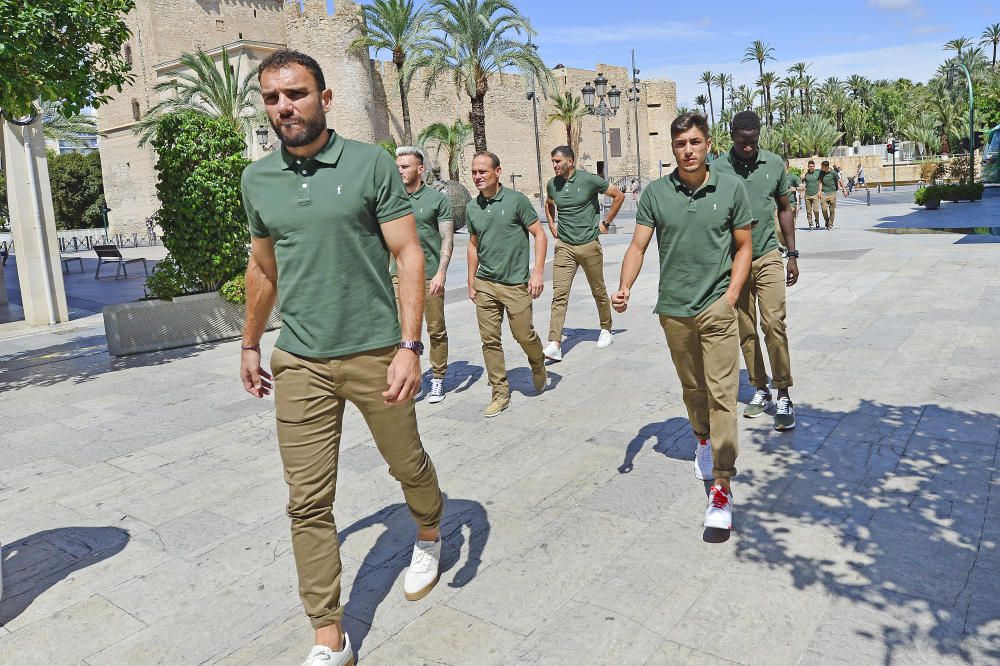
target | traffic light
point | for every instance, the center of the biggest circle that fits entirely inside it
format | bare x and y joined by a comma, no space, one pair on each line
978,136
890,147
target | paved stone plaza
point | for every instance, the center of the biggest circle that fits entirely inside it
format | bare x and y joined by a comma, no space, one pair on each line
141,499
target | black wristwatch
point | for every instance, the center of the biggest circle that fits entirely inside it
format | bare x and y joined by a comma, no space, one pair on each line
415,346
791,254
606,223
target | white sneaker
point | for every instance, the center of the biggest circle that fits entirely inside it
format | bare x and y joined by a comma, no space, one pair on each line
424,570
703,461
437,391
720,509
553,351
605,339
321,655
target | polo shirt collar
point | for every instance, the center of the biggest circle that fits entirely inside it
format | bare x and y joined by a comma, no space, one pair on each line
573,178
735,159
496,197
329,154
419,192
712,182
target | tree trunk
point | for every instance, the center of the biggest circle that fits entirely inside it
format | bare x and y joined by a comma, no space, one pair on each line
711,106
569,134
478,118
404,104
453,165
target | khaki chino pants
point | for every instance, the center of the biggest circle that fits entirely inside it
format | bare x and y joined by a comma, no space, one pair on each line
764,292
437,330
705,351
492,301
309,396
567,259
812,210
829,209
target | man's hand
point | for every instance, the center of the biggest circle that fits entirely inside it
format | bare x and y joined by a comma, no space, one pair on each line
472,293
603,227
536,284
436,287
403,377
256,380
792,271
554,230
731,298
619,300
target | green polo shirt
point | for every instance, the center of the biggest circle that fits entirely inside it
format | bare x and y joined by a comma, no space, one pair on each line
793,188
501,226
812,182
830,182
694,232
578,206
765,179
429,207
324,215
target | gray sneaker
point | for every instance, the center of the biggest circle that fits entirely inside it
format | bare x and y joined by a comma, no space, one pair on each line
759,403
784,414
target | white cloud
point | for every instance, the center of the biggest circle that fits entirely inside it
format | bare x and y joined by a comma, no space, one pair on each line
917,62
891,4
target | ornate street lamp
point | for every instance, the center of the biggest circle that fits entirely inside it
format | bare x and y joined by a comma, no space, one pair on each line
533,97
262,136
608,103
633,97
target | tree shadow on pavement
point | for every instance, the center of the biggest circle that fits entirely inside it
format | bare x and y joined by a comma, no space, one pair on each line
893,511
32,565
390,556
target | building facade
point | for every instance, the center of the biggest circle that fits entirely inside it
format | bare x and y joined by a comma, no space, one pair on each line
366,103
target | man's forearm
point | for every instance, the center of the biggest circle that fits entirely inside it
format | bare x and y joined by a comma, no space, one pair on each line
410,272
472,260
447,230
741,268
616,204
261,292
787,223
541,246
631,265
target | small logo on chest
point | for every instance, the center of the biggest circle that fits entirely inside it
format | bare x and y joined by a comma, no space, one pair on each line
715,206
338,188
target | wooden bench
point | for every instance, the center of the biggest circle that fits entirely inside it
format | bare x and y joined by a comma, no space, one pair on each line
110,254
65,259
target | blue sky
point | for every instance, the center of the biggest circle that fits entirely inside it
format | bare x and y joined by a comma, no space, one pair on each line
679,40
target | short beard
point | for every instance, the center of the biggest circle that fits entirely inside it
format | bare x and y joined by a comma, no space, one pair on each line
314,126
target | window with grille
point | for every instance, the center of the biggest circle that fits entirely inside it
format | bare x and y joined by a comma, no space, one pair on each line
615,139
128,54
136,111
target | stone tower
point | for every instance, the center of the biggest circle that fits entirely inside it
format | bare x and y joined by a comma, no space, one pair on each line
348,72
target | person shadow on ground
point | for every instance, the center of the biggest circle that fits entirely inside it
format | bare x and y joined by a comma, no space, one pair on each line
460,378
32,565
574,336
390,556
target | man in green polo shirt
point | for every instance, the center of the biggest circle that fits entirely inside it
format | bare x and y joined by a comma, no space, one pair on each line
812,186
436,229
500,221
325,213
573,195
830,181
702,221
766,181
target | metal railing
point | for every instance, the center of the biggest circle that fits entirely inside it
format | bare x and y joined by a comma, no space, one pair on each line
71,244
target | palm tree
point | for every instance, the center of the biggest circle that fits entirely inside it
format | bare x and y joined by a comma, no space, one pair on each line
784,102
798,70
991,36
760,52
860,89
57,127
811,135
957,44
707,78
923,131
765,82
473,41
218,91
722,141
569,111
743,98
945,111
723,81
452,138
681,110
398,27
702,101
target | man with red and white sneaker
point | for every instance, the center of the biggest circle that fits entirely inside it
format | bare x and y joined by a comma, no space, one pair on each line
700,217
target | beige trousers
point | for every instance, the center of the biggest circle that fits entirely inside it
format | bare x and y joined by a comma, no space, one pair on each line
437,329
492,301
829,209
564,264
764,293
812,210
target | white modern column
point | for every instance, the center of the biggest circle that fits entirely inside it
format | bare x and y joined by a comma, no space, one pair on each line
33,226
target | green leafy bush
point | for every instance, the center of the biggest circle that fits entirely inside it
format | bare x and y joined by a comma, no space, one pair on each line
796,170
235,290
77,190
953,192
167,281
200,161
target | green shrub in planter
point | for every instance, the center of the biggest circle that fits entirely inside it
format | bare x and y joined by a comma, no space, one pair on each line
235,290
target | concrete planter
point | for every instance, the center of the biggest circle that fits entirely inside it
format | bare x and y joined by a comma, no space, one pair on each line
932,204
147,326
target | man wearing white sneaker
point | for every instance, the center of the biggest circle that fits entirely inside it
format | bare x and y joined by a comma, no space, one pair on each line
325,213
766,181
436,229
702,222
573,210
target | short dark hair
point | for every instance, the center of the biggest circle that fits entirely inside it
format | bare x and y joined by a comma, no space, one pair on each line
494,160
825,163
813,162
746,120
686,121
565,151
284,57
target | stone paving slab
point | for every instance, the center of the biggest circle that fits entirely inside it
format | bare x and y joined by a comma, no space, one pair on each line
142,505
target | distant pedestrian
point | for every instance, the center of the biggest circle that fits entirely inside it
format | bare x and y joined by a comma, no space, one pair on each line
794,184
830,183
635,190
811,181
861,176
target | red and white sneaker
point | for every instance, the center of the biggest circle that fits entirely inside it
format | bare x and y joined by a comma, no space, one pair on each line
703,461
720,509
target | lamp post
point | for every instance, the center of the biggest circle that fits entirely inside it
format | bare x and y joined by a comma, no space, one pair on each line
262,136
633,97
533,96
513,185
603,111
972,116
